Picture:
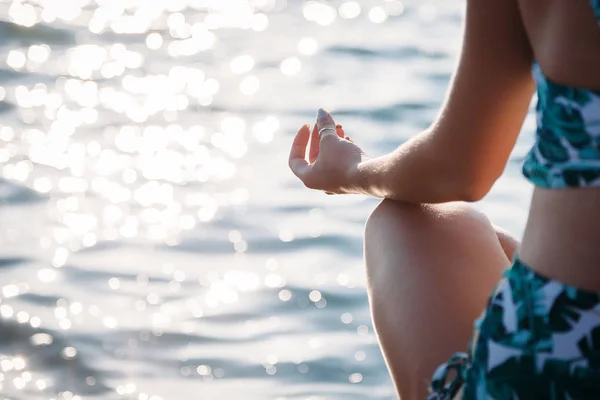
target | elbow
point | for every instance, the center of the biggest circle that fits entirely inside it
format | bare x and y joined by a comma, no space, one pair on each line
473,193
476,188
477,179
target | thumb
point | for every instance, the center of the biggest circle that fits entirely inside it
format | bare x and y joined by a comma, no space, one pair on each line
325,123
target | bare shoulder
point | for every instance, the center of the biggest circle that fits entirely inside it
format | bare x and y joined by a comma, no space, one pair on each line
565,38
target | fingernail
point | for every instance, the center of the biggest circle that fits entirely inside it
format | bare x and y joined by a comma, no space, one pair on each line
321,113
339,126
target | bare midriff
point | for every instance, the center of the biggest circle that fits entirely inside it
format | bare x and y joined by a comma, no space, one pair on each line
562,236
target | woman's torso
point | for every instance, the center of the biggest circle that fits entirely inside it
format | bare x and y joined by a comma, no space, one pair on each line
562,236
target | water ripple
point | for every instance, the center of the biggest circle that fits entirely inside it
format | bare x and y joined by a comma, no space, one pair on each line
155,245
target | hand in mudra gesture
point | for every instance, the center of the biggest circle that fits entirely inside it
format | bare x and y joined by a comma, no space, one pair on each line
333,160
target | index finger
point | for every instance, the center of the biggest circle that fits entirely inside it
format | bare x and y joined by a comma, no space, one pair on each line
297,160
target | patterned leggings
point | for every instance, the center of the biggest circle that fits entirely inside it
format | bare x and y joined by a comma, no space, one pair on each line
537,339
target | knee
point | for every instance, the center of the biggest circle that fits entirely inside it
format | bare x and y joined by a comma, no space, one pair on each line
389,227
404,218
465,215
388,212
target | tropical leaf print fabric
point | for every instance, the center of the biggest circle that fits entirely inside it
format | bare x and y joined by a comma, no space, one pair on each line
537,339
566,152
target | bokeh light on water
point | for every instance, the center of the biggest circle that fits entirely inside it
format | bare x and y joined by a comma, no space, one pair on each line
154,244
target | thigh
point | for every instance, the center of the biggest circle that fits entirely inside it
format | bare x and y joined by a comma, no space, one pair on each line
430,270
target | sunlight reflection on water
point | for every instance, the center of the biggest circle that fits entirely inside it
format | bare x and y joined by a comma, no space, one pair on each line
155,242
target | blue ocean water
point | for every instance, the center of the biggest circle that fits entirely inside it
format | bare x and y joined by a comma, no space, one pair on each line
154,244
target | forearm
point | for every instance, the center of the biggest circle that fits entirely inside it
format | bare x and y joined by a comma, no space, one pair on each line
414,173
467,147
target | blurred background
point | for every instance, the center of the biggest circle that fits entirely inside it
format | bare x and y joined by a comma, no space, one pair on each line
154,245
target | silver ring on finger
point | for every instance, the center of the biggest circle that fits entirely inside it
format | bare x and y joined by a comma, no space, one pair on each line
326,129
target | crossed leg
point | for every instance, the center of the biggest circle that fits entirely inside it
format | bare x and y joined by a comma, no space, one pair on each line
430,270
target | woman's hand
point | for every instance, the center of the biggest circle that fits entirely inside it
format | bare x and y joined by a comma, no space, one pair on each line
333,160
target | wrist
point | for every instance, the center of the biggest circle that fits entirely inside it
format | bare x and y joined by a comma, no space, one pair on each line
352,180
358,178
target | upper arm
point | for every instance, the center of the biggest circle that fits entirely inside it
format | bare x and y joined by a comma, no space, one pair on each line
489,95
565,39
